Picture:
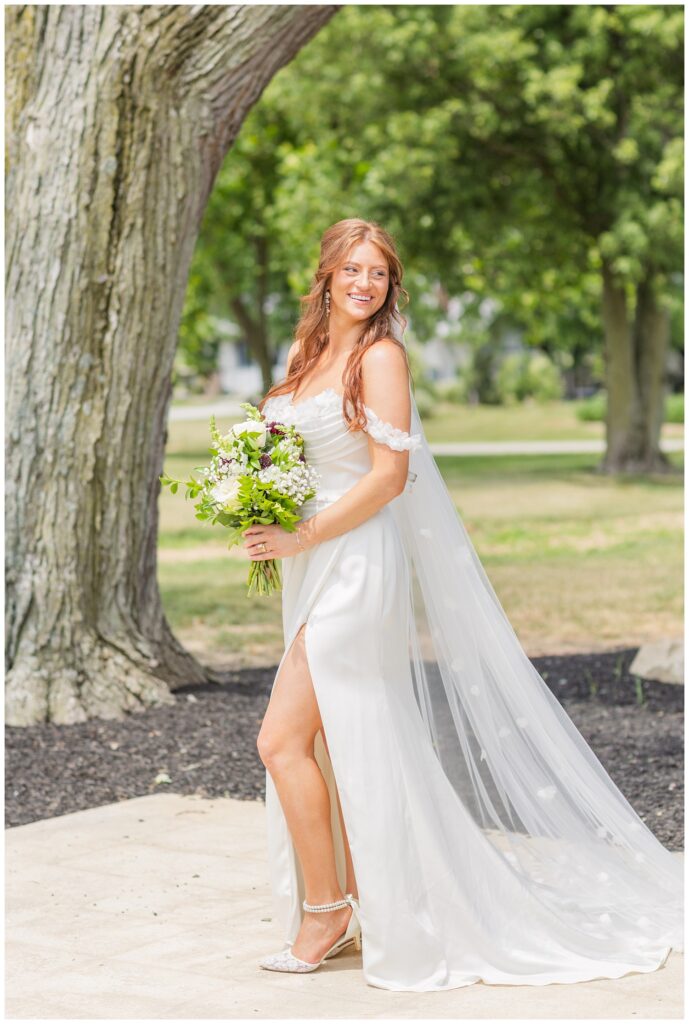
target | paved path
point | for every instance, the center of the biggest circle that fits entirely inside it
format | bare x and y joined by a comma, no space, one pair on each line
230,408
159,908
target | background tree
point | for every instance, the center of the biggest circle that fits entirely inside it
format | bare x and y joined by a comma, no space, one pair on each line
259,236
242,250
527,153
118,119
198,334
561,158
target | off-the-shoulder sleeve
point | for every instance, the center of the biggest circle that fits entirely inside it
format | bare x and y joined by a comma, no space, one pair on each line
393,437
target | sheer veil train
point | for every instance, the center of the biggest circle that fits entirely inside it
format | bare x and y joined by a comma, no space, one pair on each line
525,774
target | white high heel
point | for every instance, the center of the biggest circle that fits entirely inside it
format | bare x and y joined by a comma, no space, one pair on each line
285,959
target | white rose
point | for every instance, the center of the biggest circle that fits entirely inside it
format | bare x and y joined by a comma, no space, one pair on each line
226,492
251,427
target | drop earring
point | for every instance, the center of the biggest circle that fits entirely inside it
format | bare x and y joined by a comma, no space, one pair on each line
327,302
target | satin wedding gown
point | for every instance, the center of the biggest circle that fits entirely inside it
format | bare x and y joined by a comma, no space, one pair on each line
488,842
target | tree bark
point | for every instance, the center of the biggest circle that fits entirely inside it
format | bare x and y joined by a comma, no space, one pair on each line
118,119
651,337
635,353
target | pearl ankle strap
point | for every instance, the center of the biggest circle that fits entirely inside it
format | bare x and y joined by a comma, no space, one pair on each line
321,908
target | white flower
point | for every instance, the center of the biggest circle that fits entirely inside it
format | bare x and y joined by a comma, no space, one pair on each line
226,493
254,427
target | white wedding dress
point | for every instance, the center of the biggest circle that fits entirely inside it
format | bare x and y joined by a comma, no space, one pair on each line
488,842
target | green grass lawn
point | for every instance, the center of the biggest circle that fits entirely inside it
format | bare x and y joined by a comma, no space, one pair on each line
552,421
579,561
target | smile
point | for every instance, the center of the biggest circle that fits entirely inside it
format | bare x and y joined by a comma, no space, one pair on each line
360,298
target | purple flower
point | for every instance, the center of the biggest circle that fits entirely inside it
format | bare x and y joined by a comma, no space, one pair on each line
301,457
265,461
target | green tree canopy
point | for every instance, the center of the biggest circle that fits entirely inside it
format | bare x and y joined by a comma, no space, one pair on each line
531,154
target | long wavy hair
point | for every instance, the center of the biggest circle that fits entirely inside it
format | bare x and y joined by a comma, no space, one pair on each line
312,330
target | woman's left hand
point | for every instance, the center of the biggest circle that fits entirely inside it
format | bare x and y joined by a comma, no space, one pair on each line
279,543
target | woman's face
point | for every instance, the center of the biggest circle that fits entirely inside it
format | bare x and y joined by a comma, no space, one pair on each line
359,286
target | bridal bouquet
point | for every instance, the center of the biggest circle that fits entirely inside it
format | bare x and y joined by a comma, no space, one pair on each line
257,474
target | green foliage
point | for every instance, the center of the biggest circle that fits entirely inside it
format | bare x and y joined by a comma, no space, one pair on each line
639,690
508,149
528,375
198,338
674,408
594,409
453,390
479,377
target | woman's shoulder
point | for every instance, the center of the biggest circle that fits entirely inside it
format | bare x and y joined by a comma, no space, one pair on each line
386,398
385,361
385,349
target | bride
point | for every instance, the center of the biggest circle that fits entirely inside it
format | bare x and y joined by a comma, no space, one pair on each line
427,798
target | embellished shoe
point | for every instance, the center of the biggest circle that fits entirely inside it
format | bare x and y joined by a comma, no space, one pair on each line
285,959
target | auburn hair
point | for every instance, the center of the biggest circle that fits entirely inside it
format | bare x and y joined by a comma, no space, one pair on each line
312,328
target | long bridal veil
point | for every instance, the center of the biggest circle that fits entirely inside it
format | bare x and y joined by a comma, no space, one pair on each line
529,780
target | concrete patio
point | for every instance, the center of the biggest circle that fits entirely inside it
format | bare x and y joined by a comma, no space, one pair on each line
159,908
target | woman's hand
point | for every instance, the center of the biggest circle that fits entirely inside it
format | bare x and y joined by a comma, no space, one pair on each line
279,543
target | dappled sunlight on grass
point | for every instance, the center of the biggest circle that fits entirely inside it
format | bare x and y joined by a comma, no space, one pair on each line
588,605
580,561
206,604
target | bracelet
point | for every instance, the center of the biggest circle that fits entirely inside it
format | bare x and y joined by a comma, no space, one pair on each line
299,538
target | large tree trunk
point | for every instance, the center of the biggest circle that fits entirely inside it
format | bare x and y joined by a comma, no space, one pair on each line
635,353
118,120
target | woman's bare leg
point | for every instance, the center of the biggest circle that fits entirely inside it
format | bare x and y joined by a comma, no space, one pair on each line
286,746
350,877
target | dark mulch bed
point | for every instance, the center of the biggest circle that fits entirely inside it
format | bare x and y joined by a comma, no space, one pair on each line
206,744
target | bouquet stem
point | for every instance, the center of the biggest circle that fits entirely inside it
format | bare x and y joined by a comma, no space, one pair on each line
264,577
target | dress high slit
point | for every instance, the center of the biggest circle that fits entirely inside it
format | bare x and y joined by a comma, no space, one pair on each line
433,890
